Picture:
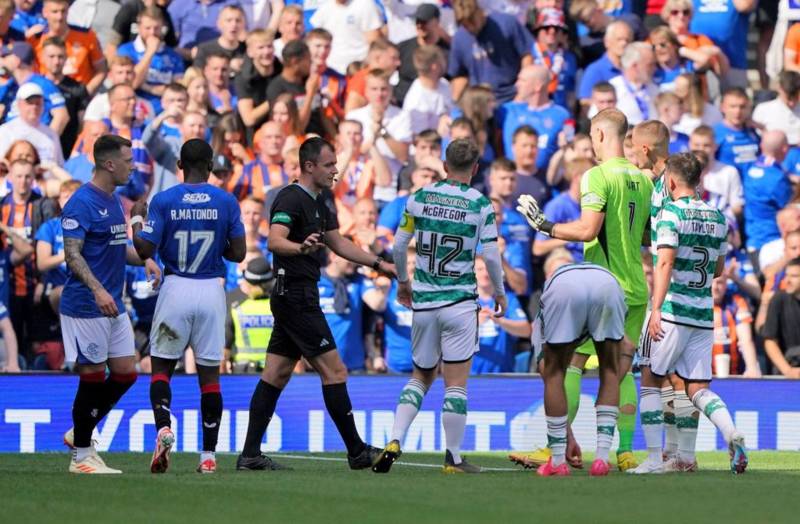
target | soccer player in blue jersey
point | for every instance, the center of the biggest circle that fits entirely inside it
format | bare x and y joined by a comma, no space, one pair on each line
194,226
96,329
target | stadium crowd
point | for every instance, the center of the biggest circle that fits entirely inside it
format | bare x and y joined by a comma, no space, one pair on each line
391,83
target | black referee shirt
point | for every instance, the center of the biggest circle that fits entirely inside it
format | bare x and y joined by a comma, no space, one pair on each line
303,214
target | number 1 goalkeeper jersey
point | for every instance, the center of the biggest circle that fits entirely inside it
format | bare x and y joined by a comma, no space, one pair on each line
621,191
449,219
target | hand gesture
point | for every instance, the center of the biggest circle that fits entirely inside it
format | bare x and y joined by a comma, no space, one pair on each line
404,293
529,208
388,269
654,326
311,244
239,152
152,44
500,306
105,303
312,83
379,365
152,272
484,314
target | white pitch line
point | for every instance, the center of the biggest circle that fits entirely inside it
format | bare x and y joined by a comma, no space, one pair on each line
412,464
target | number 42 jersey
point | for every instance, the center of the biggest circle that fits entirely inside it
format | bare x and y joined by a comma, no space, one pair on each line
449,219
191,225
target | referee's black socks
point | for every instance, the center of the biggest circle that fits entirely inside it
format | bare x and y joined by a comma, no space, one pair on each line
262,407
337,402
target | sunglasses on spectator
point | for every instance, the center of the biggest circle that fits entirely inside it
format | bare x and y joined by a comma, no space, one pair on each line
684,12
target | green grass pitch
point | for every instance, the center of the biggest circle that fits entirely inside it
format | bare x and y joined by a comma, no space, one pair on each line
321,489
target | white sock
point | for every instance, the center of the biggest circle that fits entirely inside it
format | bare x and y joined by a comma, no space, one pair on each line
82,453
652,418
686,419
715,409
205,455
557,439
606,421
670,429
454,420
407,408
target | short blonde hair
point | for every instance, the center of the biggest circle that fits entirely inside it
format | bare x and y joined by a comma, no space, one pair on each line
675,5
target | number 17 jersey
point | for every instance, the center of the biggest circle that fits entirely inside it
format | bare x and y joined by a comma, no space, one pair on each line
449,219
191,225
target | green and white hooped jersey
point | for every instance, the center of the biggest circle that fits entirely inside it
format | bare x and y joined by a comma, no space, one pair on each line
448,220
657,201
699,234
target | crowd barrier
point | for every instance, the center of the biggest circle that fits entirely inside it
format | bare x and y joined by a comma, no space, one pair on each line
505,413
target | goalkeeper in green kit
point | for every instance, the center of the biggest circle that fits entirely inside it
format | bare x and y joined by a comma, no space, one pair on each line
615,212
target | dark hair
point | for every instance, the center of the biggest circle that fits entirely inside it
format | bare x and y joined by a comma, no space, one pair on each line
108,145
524,130
463,121
604,87
311,149
320,33
503,164
294,50
196,156
686,167
430,136
793,262
228,123
790,83
217,54
461,155
736,92
175,87
55,41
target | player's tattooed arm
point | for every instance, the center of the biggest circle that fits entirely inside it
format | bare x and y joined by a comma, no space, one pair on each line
77,264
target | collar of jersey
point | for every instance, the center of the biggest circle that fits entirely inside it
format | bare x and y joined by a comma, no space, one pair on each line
460,185
307,191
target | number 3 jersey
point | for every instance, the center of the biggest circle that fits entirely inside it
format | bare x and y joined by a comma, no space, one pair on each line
191,225
698,233
449,219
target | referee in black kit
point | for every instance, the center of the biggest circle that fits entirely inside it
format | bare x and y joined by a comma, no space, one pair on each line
300,225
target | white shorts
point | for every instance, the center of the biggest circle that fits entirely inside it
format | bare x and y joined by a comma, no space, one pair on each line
449,333
189,312
95,340
684,350
570,310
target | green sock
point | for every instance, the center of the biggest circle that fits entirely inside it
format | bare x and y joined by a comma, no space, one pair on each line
626,423
572,384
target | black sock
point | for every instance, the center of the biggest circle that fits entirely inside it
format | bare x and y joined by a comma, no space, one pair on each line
337,402
86,407
160,400
211,413
262,407
116,385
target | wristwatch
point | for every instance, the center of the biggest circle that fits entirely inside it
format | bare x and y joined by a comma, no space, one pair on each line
377,263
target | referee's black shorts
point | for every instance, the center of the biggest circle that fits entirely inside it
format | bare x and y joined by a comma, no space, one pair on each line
300,328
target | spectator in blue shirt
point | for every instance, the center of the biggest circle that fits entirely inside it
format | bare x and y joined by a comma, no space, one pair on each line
617,37
389,218
670,111
220,89
156,65
738,143
594,20
530,181
397,325
726,23
767,189
487,49
9,33
342,296
533,107
566,207
195,22
28,17
497,336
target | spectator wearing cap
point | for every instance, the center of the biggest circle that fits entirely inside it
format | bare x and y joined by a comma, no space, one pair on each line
594,21
76,98
355,24
533,107
429,32
298,79
550,50
248,319
617,36
636,92
384,56
726,23
85,61
18,60
290,27
782,113
259,69
195,22
165,150
487,49
156,65
8,33
231,24
221,171
28,126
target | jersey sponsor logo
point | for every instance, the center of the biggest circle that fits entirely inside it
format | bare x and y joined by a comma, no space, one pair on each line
69,224
196,198
436,198
281,218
